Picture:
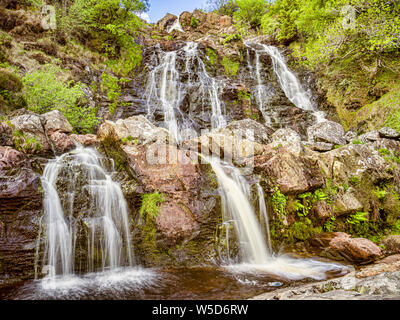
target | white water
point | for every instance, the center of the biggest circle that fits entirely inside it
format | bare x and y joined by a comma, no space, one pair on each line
107,220
289,83
166,90
175,26
255,253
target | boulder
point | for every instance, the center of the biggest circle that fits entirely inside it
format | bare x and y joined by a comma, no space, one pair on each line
54,121
289,139
163,167
294,174
62,142
224,144
327,131
135,130
251,130
32,126
388,133
347,203
392,244
322,211
340,246
370,137
321,146
87,140
174,222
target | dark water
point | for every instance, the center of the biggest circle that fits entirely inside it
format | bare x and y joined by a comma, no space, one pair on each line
152,284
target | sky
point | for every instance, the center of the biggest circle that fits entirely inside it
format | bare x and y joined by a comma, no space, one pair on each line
159,8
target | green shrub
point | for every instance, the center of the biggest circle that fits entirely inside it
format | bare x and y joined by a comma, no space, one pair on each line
279,202
26,144
231,67
194,23
150,205
110,85
250,11
44,90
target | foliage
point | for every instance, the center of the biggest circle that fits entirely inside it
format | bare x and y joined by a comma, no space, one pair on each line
45,90
110,85
357,218
222,7
355,180
279,202
232,37
330,224
194,23
231,67
26,144
250,11
150,204
212,55
113,24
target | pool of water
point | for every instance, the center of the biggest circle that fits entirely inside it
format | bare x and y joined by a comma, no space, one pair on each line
202,283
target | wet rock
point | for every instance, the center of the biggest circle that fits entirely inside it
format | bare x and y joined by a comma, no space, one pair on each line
388,265
389,133
87,140
392,244
327,131
62,142
347,203
175,222
54,121
20,209
370,137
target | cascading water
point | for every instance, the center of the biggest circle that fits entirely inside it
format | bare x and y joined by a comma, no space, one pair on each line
288,82
176,77
101,222
256,255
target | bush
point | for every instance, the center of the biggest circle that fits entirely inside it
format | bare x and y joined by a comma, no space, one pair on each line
231,67
45,91
150,204
250,11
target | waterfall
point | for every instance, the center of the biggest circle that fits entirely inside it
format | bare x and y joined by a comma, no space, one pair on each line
256,252
101,222
288,82
175,26
235,197
178,76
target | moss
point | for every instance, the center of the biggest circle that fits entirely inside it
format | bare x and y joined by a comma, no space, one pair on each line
194,23
212,56
231,67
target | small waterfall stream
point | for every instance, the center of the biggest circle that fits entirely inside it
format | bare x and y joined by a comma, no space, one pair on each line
176,76
288,82
102,222
256,252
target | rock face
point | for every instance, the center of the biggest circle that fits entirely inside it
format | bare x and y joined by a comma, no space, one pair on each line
20,209
340,246
167,21
56,122
189,206
328,132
